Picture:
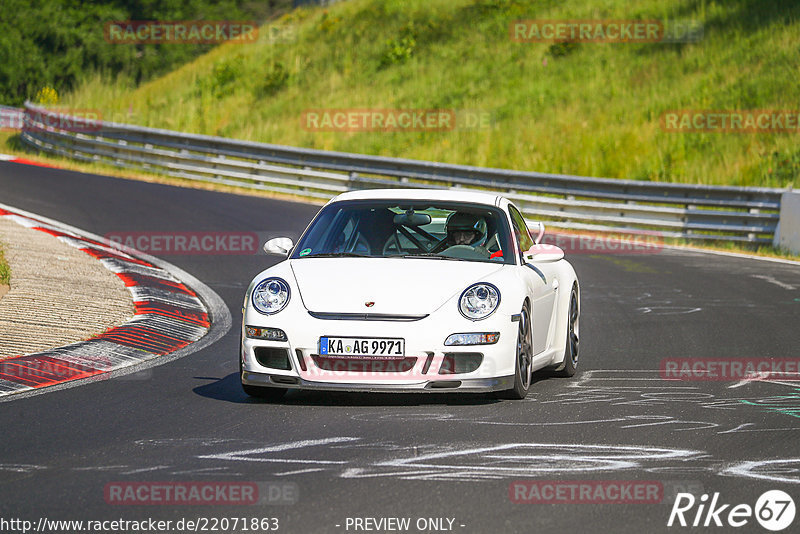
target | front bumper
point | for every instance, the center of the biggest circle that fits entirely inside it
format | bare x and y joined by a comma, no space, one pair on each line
428,364
441,385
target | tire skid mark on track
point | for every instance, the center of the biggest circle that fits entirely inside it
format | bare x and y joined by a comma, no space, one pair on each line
785,470
464,462
499,461
635,399
456,462
168,316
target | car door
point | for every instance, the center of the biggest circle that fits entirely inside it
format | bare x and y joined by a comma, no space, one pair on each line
540,280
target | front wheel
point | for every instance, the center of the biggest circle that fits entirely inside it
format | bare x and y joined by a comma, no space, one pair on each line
571,351
523,357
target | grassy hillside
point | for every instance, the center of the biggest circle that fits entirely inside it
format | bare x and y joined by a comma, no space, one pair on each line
588,109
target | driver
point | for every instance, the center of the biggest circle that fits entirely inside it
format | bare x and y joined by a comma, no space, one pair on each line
466,229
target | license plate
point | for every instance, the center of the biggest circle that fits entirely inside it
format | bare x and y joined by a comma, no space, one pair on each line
370,347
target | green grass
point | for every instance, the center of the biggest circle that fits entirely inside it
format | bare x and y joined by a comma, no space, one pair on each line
588,109
5,270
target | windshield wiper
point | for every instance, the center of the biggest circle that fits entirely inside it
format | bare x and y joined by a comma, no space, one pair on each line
338,255
426,255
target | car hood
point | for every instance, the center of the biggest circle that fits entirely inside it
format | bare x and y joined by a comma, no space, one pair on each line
397,286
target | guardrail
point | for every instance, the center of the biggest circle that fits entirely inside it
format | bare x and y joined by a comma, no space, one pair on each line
694,212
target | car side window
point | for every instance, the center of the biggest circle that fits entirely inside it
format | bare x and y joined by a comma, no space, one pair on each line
521,233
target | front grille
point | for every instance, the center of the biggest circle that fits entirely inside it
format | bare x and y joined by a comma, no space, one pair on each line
363,365
365,316
273,357
455,363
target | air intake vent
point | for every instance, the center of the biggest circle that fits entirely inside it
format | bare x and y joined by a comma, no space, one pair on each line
273,357
445,384
455,363
278,379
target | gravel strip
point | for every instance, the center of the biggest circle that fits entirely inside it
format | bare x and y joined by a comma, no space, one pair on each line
59,294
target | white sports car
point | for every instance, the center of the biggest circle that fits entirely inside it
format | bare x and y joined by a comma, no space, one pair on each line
411,290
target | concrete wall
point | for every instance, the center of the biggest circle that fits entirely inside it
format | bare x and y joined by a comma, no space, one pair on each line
788,234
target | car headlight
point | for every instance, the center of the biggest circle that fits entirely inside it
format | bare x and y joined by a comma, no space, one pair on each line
271,296
479,301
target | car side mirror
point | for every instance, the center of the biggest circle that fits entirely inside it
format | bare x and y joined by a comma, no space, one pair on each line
543,253
279,246
538,229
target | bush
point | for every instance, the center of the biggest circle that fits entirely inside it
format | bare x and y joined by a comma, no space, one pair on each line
275,79
61,41
399,50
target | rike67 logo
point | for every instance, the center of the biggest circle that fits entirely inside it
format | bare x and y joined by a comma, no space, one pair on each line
774,510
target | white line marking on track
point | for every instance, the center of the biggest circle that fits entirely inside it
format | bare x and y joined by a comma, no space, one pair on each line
774,281
145,469
249,454
300,471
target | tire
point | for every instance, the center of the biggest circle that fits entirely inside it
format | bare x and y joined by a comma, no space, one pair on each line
260,392
572,348
523,359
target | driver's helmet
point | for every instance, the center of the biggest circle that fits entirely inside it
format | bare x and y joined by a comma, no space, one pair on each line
466,222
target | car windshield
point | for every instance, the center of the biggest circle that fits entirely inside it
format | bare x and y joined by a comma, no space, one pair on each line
399,229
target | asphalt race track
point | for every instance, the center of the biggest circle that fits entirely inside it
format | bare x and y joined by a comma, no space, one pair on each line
417,456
